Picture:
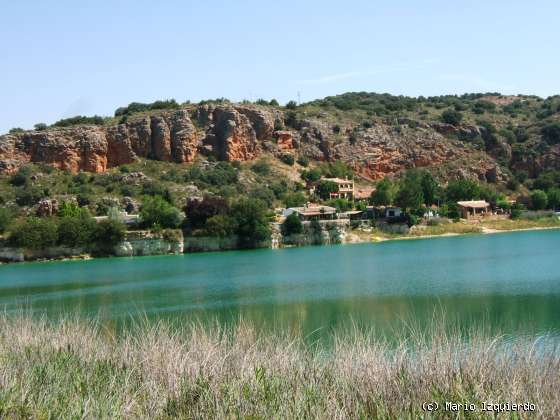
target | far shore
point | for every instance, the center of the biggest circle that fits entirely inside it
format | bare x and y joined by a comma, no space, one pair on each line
484,231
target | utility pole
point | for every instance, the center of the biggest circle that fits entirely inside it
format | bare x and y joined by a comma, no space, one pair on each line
299,97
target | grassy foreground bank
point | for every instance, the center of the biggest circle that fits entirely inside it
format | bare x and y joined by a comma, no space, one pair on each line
79,370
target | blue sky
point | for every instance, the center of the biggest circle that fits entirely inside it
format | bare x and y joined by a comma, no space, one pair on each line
63,58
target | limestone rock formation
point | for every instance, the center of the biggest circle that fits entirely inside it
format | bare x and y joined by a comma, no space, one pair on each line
241,132
171,137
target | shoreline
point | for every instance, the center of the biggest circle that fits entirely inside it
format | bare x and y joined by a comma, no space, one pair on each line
356,240
484,231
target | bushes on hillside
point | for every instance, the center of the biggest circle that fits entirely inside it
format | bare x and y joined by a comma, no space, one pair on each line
288,159
199,211
78,120
34,233
551,133
5,219
157,212
452,117
76,231
134,107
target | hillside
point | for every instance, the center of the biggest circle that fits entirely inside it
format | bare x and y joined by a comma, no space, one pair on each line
241,161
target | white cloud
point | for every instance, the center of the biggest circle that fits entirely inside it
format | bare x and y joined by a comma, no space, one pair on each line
406,66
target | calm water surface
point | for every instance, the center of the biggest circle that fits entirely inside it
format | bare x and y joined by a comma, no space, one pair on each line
510,281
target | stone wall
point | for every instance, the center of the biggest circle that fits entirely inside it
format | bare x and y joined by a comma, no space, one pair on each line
140,243
314,233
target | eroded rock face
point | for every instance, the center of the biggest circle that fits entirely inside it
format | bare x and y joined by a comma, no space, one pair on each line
241,132
231,135
170,137
384,150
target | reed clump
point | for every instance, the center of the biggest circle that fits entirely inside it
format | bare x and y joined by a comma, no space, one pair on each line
79,369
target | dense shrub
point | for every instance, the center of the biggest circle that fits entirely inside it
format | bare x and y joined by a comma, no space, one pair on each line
383,194
294,199
311,175
325,189
410,194
252,222
78,120
261,167
451,117
155,188
551,133
303,161
553,198
220,225
108,233
341,204
199,211
263,193
76,231
21,177
134,107
464,189
29,195
5,219
292,225
288,159
35,233
291,105
157,212
539,200
40,126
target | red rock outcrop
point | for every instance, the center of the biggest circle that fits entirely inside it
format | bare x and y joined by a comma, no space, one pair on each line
240,132
230,135
170,137
284,140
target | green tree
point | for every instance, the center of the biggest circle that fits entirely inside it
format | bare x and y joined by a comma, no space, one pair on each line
71,209
220,225
76,231
291,105
252,222
34,233
292,225
539,200
5,219
108,233
452,117
384,193
199,211
551,133
326,188
430,188
410,195
29,195
156,211
294,199
553,196
463,189
311,175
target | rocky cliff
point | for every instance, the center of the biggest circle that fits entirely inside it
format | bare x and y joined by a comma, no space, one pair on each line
243,132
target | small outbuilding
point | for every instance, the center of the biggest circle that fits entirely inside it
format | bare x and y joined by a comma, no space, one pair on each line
473,209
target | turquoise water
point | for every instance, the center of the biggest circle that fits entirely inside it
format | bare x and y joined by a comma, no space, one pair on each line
510,281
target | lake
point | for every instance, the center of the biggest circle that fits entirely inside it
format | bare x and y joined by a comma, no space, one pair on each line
509,281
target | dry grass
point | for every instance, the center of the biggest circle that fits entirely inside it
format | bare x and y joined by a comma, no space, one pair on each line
509,224
74,369
459,228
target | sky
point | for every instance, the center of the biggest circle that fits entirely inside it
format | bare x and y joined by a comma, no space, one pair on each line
61,58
